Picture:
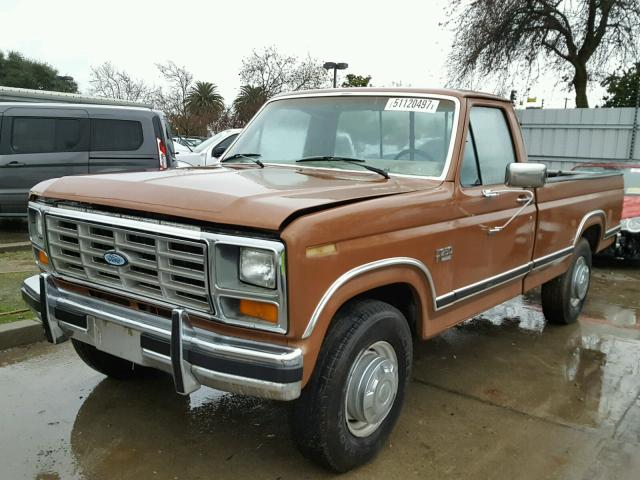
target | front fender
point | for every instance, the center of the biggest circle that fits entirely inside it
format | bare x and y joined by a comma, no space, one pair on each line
356,282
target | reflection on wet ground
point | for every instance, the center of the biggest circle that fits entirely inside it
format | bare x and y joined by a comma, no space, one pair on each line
501,396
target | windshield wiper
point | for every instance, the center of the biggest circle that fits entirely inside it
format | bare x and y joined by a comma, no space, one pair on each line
354,161
250,156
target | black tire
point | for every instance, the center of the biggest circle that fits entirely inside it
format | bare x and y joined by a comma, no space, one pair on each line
320,414
107,364
557,305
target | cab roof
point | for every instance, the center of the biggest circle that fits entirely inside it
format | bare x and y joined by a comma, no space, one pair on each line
397,91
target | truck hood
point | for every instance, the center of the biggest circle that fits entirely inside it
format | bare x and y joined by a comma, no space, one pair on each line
631,206
243,196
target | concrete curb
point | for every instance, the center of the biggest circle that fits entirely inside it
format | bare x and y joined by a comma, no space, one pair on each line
14,247
19,333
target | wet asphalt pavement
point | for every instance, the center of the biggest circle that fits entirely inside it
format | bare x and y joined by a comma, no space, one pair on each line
502,396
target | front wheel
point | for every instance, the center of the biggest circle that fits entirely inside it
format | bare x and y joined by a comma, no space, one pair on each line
354,397
564,296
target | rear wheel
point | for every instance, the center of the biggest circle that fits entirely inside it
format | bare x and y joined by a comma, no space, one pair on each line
354,397
107,364
564,296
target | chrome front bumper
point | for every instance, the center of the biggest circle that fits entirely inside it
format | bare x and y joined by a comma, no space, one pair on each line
194,356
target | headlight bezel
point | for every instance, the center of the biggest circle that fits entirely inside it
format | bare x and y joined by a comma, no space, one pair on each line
35,221
37,235
227,288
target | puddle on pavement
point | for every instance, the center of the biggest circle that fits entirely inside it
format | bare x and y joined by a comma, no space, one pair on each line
585,374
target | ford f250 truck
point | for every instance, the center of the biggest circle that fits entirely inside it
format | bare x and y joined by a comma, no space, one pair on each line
339,225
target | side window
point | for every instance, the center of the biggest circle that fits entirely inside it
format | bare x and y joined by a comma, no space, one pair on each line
226,142
492,139
115,135
45,135
469,172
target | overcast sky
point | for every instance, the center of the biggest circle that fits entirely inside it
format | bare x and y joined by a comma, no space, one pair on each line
396,41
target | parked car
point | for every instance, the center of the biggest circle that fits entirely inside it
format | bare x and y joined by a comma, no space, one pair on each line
207,152
181,148
194,141
291,272
39,141
627,245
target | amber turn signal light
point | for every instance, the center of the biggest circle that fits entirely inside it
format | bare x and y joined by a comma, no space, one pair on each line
43,258
262,310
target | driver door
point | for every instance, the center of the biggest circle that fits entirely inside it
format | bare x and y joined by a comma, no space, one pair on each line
487,259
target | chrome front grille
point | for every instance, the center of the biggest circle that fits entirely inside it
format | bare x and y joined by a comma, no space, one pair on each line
160,267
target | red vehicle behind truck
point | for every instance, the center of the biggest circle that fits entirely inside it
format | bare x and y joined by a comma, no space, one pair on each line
627,245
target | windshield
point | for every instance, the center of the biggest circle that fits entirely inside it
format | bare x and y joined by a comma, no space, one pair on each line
631,177
201,147
405,135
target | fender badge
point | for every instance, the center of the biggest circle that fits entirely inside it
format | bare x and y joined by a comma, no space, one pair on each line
444,254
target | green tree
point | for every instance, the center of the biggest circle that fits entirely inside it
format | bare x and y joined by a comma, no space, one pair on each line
204,99
356,81
248,102
622,88
577,40
18,71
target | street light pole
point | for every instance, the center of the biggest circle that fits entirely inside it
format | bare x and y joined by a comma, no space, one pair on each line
335,67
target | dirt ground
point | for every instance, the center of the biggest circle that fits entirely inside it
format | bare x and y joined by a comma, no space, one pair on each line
502,396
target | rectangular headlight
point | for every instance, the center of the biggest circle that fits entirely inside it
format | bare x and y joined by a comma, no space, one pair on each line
257,267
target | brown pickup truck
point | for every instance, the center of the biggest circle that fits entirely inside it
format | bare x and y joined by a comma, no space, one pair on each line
340,225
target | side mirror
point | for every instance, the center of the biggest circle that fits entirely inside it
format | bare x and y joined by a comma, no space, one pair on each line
216,152
526,175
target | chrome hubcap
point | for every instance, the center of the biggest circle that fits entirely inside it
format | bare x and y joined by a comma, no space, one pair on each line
579,281
371,389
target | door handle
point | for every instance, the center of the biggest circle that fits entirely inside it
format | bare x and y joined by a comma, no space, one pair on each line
15,164
525,199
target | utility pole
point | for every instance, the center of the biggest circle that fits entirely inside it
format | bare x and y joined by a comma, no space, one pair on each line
634,129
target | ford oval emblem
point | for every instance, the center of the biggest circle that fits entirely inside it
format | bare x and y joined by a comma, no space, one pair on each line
114,258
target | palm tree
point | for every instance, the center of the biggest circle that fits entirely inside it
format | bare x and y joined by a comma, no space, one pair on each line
248,102
204,99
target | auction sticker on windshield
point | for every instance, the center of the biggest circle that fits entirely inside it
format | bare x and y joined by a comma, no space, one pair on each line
408,104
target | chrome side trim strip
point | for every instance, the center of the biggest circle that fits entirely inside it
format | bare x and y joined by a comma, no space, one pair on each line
442,301
612,232
479,287
550,258
367,267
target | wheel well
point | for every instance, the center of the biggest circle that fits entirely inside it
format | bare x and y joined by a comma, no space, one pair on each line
593,235
400,295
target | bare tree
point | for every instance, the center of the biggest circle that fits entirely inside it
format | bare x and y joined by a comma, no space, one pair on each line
107,81
275,72
173,100
577,38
